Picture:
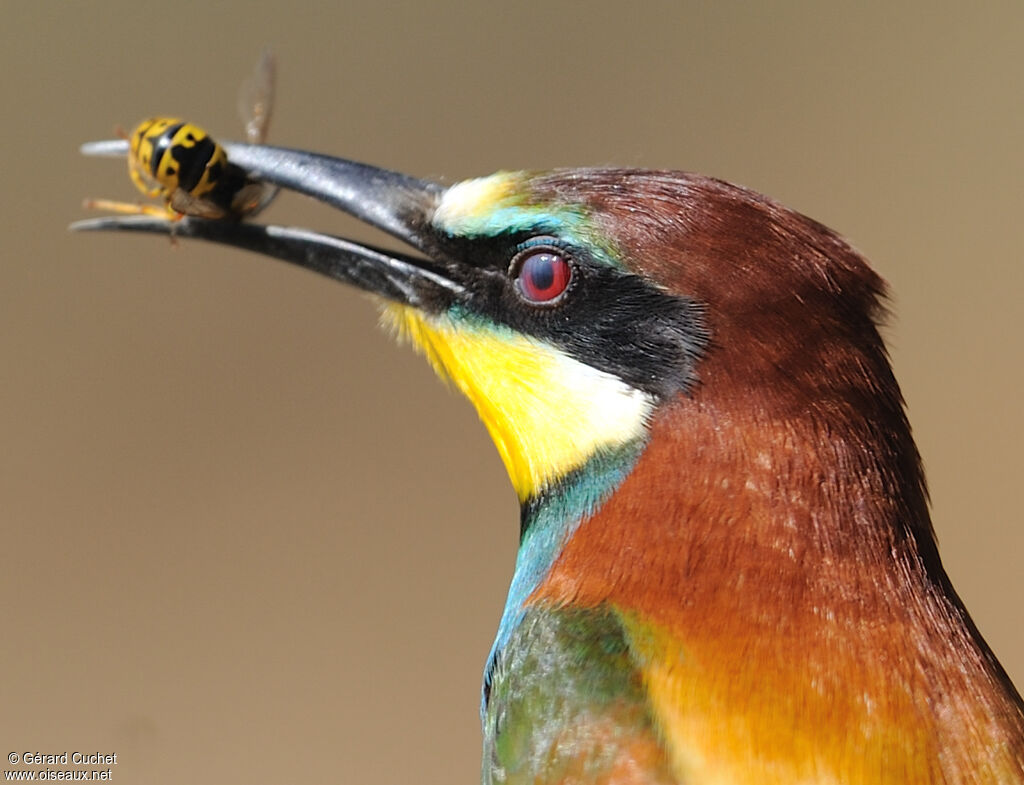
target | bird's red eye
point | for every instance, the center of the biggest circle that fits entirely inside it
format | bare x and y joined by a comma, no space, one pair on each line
542,275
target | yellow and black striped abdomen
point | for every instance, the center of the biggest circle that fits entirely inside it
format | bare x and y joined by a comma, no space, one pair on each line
168,154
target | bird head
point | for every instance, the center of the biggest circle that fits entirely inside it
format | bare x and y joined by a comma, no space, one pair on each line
576,307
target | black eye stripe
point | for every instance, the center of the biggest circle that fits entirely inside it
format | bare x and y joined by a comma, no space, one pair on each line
608,318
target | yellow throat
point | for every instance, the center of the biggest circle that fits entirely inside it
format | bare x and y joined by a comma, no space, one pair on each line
546,412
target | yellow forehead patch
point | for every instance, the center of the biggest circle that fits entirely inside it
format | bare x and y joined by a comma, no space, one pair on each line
546,412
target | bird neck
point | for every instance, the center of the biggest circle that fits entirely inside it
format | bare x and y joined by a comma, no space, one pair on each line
780,586
548,521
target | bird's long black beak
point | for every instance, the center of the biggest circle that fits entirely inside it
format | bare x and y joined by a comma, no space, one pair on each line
395,203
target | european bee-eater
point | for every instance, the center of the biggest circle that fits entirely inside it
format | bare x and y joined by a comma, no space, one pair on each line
727,573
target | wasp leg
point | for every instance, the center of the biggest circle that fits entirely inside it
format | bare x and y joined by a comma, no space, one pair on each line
142,182
132,208
165,213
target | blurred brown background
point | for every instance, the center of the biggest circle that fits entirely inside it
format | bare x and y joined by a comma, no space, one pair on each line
245,538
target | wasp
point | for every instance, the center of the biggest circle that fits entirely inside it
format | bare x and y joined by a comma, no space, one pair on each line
181,163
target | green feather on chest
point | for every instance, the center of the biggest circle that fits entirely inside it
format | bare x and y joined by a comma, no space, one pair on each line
567,703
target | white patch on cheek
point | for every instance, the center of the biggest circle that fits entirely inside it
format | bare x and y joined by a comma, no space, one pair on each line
609,409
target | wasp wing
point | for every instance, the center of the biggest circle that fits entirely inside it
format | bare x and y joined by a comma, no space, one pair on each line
256,99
